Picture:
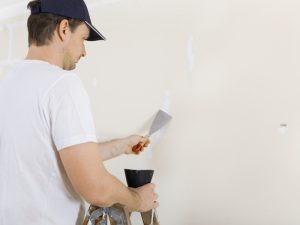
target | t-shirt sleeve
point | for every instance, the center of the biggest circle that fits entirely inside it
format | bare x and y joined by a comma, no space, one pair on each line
71,120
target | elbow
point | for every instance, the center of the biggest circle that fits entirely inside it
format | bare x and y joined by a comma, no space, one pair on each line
99,198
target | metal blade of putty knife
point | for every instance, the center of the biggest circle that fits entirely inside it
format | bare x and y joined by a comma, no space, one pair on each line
160,120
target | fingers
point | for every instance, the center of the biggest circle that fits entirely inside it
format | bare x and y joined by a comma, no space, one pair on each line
151,185
137,148
155,202
155,196
146,142
148,197
142,144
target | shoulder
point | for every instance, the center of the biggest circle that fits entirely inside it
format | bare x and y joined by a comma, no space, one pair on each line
59,82
67,81
67,87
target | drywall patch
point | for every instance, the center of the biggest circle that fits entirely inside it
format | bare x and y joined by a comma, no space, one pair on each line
166,101
95,82
155,138
190,54
9,28
283,129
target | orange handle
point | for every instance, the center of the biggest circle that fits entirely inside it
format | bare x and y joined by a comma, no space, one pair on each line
137,148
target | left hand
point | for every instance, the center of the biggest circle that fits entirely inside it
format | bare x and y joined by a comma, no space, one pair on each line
136,144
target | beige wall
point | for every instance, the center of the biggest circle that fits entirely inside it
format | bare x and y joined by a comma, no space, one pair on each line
228,72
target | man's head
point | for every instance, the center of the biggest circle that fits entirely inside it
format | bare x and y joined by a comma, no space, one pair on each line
66,21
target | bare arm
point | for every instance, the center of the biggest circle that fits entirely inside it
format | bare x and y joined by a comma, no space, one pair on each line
89,177
116,147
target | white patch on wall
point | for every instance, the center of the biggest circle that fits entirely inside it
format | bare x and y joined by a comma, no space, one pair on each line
190,54
166,101
95,82
155,138
9,28
283,129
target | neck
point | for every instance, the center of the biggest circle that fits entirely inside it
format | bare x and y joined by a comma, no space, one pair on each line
45,53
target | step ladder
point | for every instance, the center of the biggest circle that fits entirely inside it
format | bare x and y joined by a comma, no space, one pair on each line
116,215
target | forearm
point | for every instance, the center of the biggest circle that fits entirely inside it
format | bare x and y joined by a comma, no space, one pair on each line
116,192
113,148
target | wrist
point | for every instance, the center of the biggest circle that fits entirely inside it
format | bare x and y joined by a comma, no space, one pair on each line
121,146
127,145
136,200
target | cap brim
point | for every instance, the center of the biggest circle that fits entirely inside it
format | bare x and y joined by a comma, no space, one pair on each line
95,35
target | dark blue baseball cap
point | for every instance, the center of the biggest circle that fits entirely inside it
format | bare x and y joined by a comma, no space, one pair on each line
75,9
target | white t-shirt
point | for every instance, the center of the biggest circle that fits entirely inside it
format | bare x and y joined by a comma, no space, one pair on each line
43,109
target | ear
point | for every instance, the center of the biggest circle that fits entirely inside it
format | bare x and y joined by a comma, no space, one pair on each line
63,30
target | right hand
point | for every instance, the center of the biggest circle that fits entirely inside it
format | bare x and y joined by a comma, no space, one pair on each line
148,198
137,144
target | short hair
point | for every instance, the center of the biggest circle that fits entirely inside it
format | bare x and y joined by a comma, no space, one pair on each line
41,26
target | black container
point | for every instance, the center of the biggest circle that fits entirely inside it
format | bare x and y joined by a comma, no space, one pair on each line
137,178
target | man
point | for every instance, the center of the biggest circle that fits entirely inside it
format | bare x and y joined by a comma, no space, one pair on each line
49,155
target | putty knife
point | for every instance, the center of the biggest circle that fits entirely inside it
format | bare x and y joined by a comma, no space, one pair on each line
160,120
